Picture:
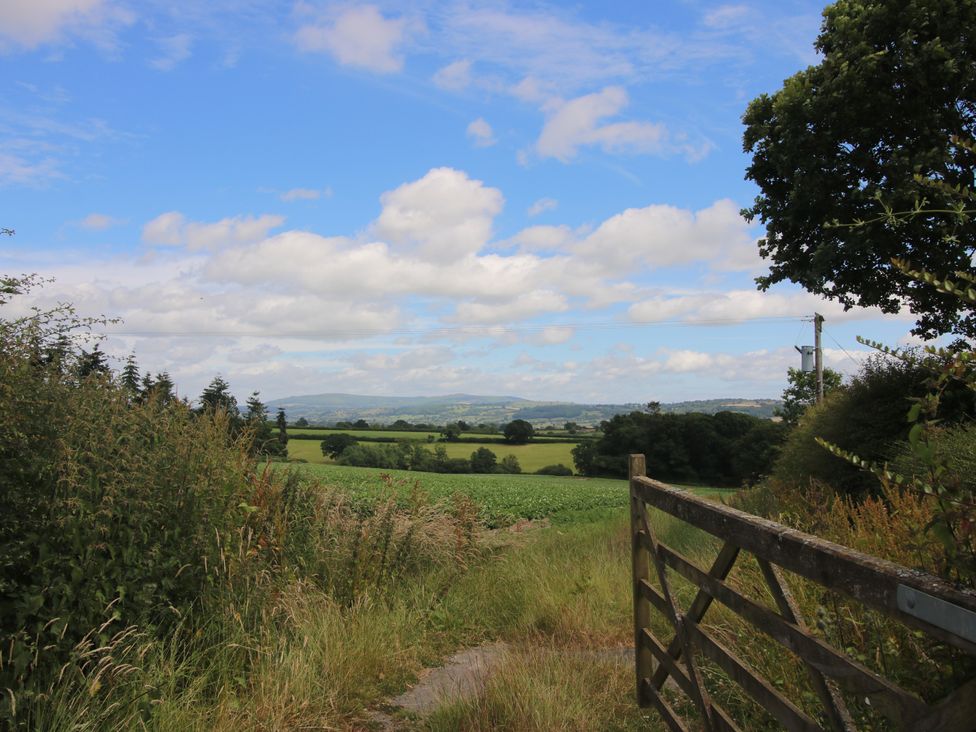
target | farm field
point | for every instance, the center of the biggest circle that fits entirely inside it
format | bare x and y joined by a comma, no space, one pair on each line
531,457
411,436
502,499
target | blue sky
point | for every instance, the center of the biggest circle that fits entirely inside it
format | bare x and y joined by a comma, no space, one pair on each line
535,199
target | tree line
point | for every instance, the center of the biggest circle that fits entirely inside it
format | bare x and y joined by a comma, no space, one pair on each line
723,449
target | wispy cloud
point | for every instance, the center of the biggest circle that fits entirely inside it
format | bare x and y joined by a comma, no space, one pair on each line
173,51
305,194
98,222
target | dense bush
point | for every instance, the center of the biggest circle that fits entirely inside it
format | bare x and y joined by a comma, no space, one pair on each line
558,469
136,534
403,456
866,417
111,509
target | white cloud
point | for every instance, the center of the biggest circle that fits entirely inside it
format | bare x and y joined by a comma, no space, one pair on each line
555,334
98,222
524,306
455,76
577,123
663,236
543,238
481,133
741,305
543,205
172,229
305,194
29,24
166,229
444,216
174,50
360,36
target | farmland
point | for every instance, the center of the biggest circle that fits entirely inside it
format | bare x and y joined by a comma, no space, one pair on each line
412,435
502,499
531,457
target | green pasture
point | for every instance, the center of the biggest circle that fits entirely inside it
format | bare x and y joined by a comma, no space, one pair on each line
531,457
411,436
393,434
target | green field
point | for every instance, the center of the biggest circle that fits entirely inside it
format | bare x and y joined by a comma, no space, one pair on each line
531,457
502,499
411,436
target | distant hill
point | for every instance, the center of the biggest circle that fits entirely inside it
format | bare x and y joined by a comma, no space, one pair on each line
476,409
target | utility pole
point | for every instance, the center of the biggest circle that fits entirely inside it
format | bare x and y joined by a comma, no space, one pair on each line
818,354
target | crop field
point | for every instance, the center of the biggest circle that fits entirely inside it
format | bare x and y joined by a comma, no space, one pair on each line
502,499
531,457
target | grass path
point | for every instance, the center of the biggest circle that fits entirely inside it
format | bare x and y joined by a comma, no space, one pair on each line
554,607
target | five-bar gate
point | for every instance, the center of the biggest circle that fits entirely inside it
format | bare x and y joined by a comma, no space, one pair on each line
915,598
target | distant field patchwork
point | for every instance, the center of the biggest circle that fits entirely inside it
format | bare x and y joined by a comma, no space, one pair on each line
531,457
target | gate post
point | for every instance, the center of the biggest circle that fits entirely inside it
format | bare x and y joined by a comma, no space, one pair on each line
641,571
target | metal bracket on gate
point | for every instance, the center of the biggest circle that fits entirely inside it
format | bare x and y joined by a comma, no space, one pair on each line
934,611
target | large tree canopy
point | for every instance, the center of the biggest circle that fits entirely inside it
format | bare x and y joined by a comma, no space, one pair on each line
896,82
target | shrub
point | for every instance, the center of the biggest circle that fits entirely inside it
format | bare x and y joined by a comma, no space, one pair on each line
483,460
558,469
866,417
113,512
509,464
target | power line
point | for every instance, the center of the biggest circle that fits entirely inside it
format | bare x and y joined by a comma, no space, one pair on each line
853,360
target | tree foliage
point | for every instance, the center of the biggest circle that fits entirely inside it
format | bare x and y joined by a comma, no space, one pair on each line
518,432
878,119
802,392
726,448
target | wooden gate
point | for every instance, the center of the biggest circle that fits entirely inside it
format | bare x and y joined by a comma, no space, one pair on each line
919,600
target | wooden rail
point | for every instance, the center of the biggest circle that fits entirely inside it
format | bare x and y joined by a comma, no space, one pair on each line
917,599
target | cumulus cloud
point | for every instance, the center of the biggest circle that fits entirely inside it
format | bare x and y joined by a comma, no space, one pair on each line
455,76
173,229
360,36
443,216
31,24
480,132
543,238
577,123
663,236
543,205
